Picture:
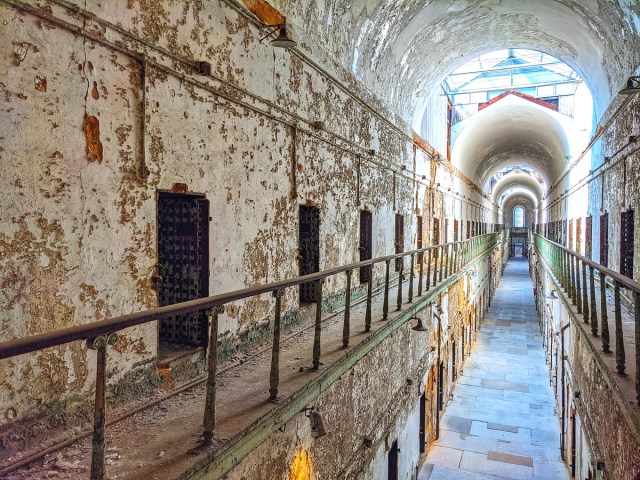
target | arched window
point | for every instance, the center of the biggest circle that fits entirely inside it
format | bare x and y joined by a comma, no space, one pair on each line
518,217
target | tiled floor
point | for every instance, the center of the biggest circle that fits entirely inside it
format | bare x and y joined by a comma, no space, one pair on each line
501,423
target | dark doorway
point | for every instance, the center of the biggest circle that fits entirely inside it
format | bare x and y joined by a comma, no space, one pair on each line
468,229
399,240
464,334
183,265
453,362
440,392
572,427
309,251
436,231
423,422
393,461
419,240
366,247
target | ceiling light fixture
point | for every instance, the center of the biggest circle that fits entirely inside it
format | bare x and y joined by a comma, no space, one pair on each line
632,87
282,40
419,326
552,295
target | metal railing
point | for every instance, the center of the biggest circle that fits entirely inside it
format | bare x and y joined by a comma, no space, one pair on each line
578,275
433,264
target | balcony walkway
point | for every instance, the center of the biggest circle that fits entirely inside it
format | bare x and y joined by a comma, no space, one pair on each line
502,422
140,446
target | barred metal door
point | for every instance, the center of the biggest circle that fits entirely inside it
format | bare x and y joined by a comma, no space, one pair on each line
366,247
436,231
309,251
626,243
604,239
468,229
183,257
455,230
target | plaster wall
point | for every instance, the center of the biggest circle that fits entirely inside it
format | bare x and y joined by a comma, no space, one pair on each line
102,109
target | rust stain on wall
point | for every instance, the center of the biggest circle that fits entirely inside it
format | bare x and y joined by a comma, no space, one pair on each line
41,84
91,128
265,12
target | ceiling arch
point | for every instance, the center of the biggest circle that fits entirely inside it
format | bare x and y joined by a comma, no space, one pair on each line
424,41
513,131
518,180
517,190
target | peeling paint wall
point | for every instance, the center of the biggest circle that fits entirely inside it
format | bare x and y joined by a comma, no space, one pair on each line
103,108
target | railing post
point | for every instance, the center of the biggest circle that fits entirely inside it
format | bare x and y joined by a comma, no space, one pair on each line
585,298
592,294
620,356
274,376
385,304
400,278
346,327
367,315
210,397
576,274
429,269
636,302
410,296
604,318
99,344
318,327
447,265
421,260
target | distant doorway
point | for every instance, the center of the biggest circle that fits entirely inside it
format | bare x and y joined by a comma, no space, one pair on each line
392,461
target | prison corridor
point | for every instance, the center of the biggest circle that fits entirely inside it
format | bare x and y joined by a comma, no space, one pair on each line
501,422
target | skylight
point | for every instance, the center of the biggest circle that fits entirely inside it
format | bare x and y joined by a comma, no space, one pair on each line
527,71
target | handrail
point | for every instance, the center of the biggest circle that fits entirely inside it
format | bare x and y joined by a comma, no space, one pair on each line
34,343
442,261
625,282
570,270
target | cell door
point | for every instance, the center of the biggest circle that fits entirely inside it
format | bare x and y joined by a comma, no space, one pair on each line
455,231
440,392
588,240
183,265
604,239
419,239
309,238
366,247
446,230
436,231
399,239
422,437
626,243
468,229
392,461
573,436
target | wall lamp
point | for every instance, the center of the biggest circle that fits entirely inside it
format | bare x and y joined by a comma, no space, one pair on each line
419,326
552,295
632,87
282,40
315,420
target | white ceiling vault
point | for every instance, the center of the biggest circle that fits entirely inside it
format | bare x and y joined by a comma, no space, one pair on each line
402,50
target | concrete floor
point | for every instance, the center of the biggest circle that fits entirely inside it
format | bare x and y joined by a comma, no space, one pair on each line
502,422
